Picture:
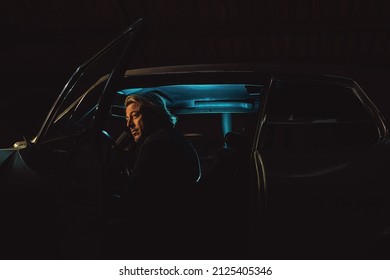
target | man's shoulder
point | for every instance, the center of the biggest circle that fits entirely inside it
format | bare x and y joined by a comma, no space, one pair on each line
169,134
168,138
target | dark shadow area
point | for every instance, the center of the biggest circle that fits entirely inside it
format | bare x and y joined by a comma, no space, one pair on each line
25,101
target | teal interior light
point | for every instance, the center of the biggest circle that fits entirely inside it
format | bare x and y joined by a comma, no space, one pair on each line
206,98
226,123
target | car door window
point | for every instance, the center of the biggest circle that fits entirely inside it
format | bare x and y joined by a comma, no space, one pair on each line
77,104
308,114
82,99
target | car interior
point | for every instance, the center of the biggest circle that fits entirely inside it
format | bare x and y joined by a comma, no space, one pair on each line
209,115
219,120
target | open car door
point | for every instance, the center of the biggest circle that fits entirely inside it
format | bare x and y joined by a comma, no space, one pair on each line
55,185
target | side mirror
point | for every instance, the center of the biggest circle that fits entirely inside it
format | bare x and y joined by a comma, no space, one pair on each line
24,143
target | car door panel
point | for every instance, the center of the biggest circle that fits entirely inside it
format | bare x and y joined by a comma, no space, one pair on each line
320,163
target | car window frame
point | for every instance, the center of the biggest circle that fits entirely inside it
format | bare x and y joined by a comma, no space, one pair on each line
359,93
111,83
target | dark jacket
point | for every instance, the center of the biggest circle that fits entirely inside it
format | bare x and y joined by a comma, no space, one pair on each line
165,164
158,202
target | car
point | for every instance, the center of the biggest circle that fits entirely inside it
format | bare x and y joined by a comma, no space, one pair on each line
294,166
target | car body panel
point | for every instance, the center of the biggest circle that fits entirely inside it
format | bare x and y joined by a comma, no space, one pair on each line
319,179
5,154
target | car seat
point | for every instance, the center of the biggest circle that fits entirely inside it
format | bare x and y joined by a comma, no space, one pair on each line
227,162
226,188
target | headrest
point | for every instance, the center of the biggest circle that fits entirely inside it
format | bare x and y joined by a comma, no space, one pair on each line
237,141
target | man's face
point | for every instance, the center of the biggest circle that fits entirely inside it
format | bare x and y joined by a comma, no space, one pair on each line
135,121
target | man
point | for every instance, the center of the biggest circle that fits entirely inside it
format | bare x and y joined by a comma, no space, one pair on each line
159,197
162,151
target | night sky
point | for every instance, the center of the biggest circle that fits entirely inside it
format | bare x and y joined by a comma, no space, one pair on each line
43,42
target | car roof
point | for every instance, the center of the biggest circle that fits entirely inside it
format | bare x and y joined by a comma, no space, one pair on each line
290,70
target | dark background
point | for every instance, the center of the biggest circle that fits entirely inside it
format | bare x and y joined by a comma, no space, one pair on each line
42,43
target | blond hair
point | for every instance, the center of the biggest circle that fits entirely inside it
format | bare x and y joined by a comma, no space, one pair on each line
155,103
